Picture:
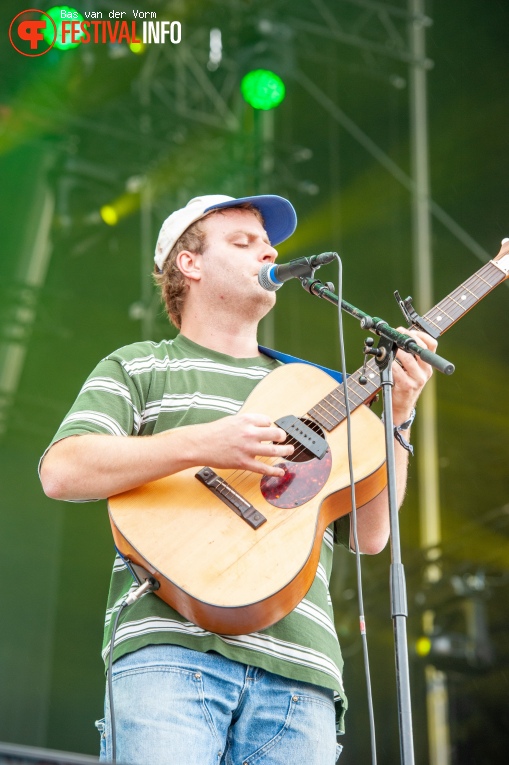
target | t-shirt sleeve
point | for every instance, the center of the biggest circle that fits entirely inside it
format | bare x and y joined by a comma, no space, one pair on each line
108,403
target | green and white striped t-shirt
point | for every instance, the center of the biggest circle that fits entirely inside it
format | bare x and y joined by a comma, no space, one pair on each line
147,388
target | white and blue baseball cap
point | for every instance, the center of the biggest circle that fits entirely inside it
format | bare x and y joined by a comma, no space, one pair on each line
279,216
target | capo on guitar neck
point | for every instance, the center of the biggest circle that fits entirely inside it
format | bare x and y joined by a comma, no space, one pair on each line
413,318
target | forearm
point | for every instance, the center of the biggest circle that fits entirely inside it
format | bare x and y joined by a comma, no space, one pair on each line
95,466
373,524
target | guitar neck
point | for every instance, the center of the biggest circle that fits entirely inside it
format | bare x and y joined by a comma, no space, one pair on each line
331,410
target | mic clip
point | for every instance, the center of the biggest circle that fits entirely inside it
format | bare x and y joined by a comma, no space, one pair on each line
379,353
314,286
413,318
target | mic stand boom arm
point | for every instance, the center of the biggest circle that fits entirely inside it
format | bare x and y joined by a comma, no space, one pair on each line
390,339
379,327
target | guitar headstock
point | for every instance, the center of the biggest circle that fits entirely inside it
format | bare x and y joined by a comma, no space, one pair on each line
502,259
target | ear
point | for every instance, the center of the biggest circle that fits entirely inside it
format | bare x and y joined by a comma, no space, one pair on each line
189,263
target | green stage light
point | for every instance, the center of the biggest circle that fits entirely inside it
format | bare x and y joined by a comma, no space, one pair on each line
59,14
262,89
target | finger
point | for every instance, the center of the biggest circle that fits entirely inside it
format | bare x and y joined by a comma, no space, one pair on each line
421,338
272,450
272,433
265,468
264,429
254,418
412,363
409,366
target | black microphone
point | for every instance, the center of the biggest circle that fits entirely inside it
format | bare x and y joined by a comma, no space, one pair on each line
272,276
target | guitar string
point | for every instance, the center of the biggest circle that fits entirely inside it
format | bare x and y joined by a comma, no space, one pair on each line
477,283
239,476
236,478
272,460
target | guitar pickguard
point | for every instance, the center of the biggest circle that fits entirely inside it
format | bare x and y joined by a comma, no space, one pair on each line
301,482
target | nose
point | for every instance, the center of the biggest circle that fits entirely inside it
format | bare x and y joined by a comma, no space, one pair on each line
269,254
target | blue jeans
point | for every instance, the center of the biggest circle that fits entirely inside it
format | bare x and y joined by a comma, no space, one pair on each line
175,706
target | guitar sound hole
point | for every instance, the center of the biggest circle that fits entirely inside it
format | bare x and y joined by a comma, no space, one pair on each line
301,454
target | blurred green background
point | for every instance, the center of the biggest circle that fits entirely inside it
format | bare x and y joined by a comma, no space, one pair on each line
102,126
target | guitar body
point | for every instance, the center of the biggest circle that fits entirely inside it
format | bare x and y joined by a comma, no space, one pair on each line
211,565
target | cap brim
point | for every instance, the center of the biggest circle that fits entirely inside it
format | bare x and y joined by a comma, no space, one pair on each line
279,216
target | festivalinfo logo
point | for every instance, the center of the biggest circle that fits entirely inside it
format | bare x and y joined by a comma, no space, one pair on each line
33,32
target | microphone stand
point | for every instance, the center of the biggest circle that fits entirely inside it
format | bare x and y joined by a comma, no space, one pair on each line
378,326
384,354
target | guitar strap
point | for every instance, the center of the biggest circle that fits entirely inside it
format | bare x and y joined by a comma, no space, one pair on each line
287,359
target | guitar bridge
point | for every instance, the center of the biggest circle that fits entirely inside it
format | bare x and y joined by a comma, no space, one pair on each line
221,489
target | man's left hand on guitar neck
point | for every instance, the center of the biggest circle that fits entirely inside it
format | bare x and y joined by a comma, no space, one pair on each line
410,376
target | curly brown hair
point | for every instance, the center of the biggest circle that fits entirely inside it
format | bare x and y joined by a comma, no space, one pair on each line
173,284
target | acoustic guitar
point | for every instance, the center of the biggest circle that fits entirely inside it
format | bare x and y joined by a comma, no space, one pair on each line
234,551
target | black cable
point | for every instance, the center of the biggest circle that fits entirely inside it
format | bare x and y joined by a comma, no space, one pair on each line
148,586
113,733
362,622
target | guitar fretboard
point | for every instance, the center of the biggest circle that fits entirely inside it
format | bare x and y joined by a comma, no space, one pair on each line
331,410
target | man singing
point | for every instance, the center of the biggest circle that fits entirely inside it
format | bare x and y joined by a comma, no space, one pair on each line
184,695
